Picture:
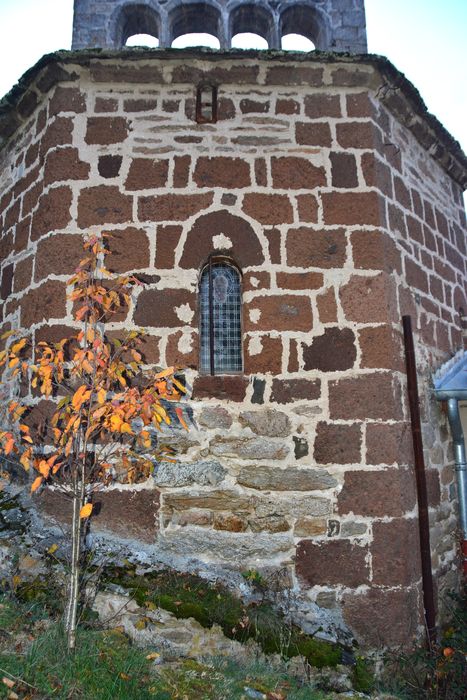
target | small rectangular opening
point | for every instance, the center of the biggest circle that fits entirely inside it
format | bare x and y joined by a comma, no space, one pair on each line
206,104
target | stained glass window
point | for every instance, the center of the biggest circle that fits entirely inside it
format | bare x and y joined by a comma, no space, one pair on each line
220,312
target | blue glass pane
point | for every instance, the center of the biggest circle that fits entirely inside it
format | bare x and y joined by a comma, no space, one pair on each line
227,325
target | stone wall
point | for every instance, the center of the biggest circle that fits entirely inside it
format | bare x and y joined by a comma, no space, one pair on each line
341,222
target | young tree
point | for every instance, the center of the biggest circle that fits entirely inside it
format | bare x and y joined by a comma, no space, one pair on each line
106,408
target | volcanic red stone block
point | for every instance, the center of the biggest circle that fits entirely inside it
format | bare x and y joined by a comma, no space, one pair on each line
44,302
267,360
433,487
181,171
338,444
145,174
332,351
31,198
6,285
293,363
298,75
360,105
255,280
260,172
105,104
322,104
282,312
332,563
12,215
53,212
349,208
225,387
416,276
32,154
343,170
221,171
157,308
128,250
246,249
381,618
402,193
268,208
313,134
23,274
102,71
290,390
356,135
26,181
22,234
104,204
327,307
65,164
375,250
396,220
287,106
307,205
167,238
391,543
248,106
274,244
182,354
58,255
386,493
351,77
306,247
140,104
370,396
172,207
109,166
67,99
106,130
370,299
381,347
237,74
299,280
295,173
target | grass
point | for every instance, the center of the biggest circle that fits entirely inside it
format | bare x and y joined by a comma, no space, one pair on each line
106,666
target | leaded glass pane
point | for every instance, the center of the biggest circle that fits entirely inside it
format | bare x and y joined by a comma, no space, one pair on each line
226,326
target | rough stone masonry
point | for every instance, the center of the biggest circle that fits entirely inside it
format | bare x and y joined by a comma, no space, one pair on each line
340,199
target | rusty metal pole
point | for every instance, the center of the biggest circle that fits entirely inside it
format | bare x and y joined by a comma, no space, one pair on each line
422,496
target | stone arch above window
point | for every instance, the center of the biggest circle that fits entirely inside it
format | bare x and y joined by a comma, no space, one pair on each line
220,311
306,20
222,233
135,18
195,17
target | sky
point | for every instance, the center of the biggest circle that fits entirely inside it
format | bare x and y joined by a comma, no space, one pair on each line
425,39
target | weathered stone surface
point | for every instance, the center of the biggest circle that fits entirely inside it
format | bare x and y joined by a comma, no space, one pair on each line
146,173
238,549
313,134
65,164
295,505
351,528
310,527
44,302
207,473
306,247
332,563
353,208
229,501
229,388
53,212
289,390
379,618
172,207
157,307
269,422
58,255
229,522
381,347
322,104
248,448
375,250
343,170
336,443
374,395
109,166
281,312
268,360
215,417
299,280
396,552
103,205
288,479
293,173
369,299
389,443
377,494
268,208
332,351
128,250
327,306
106,130
220,171
273,523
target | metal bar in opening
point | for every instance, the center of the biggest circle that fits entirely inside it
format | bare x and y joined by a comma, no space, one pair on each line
211,319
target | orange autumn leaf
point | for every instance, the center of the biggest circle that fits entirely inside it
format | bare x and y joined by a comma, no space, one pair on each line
36,483
125,428
101,396
85,511
179,413
43,468
9,445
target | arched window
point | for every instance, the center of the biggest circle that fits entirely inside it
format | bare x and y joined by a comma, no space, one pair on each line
220,295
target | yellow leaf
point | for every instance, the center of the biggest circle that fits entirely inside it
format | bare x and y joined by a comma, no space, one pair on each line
8,682
153,655
7,334
44,468
16,580
12,695
164,373
124,676
53,548
86,511
19,345
13,362
101,396
125,428
115,422
36,483
79,397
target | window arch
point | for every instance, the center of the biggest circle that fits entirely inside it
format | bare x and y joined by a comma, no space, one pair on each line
220,301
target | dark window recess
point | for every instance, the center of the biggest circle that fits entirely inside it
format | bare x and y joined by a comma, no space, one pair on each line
221,318
206,104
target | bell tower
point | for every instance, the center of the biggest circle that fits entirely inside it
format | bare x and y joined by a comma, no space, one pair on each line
332,25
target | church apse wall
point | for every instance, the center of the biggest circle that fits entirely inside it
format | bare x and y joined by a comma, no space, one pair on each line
338,214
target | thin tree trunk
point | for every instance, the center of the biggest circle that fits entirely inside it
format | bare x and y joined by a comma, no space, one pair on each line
71,614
